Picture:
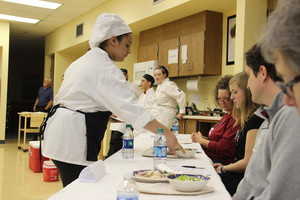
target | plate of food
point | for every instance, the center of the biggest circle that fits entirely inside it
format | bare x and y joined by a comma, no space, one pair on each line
150,176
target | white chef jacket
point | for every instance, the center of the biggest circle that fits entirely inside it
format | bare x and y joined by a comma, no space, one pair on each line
147,99
166,98
121,127
91,83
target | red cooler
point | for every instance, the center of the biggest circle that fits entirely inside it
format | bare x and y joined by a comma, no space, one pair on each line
34,156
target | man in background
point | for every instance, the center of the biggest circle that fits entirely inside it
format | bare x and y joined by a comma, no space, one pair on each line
118,129
44,100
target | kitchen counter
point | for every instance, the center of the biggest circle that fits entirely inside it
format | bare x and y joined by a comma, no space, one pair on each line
201,118
193,123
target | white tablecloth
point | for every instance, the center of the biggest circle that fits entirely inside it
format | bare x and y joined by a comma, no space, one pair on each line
106,187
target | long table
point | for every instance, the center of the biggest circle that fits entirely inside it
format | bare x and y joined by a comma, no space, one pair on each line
106,187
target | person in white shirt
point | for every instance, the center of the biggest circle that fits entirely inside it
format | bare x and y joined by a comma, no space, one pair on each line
166,98
118,129
147,97
93,88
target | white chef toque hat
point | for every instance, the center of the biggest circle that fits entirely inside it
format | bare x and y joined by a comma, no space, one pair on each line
106,26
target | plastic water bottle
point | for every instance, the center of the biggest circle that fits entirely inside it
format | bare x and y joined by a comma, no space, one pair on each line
175,126
128,140
160,148
127,190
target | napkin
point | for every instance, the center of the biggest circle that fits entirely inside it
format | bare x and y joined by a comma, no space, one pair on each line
92,172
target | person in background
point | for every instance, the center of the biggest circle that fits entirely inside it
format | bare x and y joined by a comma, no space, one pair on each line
220,144
44,100
118,129
93,88
166,98
147,97
273,169
280,44
244,113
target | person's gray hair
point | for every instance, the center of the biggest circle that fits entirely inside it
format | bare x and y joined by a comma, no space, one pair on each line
282,33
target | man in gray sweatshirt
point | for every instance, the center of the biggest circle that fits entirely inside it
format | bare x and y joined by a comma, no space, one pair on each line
273,170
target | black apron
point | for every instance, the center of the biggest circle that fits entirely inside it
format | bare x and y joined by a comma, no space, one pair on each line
96,124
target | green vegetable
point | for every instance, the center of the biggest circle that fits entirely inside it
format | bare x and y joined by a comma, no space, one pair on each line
187,178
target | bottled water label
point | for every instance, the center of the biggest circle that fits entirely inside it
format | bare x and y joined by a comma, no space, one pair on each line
128,198
175,128
128,144
160,151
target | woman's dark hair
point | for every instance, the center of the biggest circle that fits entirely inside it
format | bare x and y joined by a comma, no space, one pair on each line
103,44
222,84
163,69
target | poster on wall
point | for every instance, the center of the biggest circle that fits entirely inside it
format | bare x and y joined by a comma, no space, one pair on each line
231,26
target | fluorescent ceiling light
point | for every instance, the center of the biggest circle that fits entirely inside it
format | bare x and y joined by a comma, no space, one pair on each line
36,3
19,19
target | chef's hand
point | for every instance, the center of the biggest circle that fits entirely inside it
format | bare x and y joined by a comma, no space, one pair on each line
180,115
173,143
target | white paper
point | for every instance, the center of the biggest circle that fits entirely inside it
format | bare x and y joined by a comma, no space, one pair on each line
92,172
192,85
184,53
173,56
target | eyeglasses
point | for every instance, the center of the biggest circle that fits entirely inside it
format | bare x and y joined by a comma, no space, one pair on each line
224,99
287,88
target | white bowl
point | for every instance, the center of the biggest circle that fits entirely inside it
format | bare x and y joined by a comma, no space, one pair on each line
188,186
189,152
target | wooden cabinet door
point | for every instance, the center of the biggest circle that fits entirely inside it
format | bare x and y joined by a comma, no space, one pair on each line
184,65
163,55
195,54
148,52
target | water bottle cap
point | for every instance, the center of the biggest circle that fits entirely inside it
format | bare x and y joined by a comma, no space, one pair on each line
128,126
160,130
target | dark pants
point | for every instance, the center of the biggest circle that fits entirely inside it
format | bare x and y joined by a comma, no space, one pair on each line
68,172
41,109
231,181
116,143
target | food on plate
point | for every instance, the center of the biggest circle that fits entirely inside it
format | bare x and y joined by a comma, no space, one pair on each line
187,178
152,174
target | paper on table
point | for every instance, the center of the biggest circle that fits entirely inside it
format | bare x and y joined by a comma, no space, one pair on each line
92,172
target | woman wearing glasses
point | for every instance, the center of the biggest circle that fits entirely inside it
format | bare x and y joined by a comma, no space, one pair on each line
243,112
280,44
221,142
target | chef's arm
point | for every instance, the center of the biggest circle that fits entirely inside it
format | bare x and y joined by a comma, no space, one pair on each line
172,141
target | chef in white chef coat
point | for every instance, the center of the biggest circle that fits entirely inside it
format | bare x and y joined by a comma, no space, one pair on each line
93,88
147,97
166,98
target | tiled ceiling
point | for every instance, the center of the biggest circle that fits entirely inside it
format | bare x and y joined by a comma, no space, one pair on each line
49,19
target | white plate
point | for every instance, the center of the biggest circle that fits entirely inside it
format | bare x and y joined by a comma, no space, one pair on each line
147,179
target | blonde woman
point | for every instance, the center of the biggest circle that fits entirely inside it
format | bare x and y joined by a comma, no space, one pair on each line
244,114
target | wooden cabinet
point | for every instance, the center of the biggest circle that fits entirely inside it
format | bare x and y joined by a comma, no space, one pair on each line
191,51
200,34
148,52
163,55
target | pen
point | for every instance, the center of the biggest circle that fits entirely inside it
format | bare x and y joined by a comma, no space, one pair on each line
190,166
